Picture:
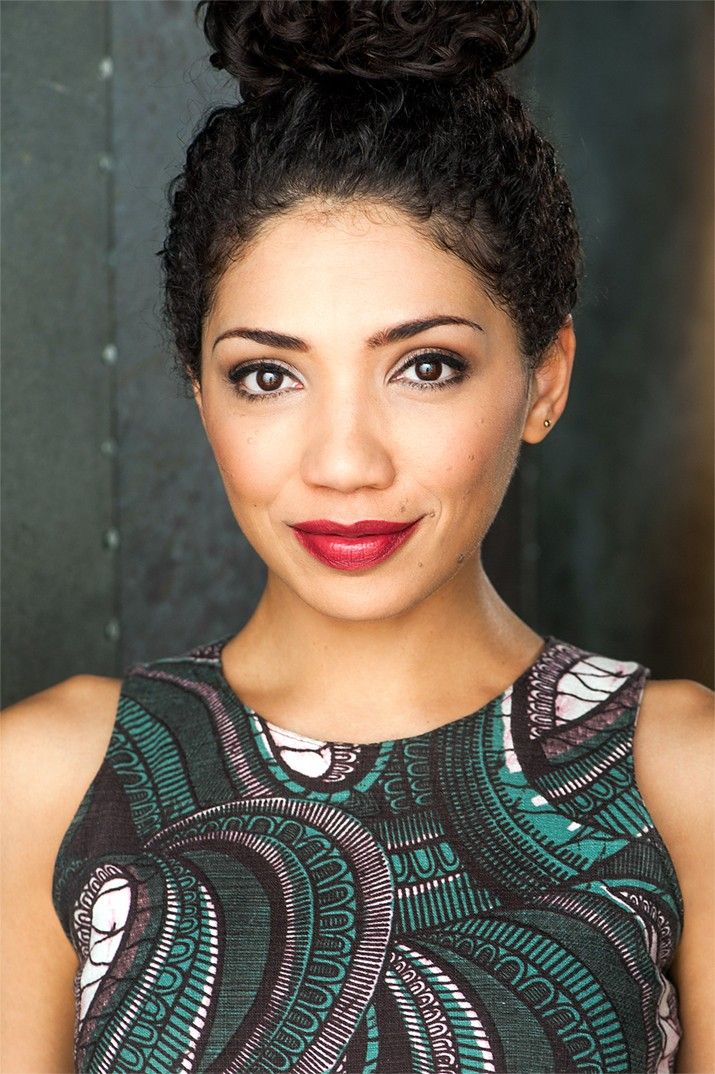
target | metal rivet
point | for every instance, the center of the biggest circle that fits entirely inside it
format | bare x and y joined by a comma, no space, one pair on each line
109,353
110,539
112,630
105,162
106,67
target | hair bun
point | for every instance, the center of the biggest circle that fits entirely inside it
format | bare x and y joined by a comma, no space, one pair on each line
263,43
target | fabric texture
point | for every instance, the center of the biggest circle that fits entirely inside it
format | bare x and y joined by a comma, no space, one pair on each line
490,895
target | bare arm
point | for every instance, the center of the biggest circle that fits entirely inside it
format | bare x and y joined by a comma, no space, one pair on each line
52,746
673,756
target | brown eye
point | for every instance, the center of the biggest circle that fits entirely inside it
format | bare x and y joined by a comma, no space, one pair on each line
429,369
268,379
258,380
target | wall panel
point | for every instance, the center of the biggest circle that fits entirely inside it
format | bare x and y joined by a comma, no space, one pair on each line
605,536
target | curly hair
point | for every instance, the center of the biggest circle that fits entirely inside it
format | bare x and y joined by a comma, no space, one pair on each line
399,103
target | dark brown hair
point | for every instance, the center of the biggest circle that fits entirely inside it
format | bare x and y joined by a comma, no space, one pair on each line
398,102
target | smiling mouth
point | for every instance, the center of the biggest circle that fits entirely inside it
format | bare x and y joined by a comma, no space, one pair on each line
353,552
365,527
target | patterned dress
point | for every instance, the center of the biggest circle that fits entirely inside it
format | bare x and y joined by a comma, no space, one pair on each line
490,895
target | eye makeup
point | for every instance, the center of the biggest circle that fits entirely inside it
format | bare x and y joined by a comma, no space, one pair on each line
238,373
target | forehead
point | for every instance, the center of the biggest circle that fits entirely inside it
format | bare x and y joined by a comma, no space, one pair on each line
350,254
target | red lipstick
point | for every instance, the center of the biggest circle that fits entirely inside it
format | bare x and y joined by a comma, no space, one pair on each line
354,546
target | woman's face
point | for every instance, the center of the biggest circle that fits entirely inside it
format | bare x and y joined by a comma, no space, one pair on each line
359,421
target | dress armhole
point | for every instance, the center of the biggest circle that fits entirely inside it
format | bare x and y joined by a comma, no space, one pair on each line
74,847
654,835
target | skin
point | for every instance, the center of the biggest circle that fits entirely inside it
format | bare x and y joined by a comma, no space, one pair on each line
356,442
424,635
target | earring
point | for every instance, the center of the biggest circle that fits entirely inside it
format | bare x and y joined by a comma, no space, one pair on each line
547,422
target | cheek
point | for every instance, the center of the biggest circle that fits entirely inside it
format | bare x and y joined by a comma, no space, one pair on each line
460,459
253,462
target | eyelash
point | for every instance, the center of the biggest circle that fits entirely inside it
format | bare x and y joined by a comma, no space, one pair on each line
237,373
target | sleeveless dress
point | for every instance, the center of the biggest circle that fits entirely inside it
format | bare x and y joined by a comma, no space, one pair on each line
490,895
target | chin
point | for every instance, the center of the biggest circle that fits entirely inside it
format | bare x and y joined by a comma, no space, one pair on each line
365,597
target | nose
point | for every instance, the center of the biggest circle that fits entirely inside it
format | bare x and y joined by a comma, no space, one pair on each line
347,445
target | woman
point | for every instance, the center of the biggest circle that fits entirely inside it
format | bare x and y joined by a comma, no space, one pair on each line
387,826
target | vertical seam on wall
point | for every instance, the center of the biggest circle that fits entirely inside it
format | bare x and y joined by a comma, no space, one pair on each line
111,258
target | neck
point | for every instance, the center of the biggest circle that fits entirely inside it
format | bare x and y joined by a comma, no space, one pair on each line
452,652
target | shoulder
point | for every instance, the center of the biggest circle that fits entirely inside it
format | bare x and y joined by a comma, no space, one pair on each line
62,732
53,744
82,706
673,752
674,762
673,748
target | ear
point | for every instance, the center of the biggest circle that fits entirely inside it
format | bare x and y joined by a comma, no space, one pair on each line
549,388
196,391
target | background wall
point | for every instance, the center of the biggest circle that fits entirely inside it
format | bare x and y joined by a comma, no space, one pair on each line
117,540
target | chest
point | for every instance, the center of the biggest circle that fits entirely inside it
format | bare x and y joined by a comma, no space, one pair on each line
252,901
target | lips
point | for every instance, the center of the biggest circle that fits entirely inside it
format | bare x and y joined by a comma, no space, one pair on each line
355,546
369,526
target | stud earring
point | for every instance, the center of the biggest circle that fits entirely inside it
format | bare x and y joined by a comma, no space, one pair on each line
547,422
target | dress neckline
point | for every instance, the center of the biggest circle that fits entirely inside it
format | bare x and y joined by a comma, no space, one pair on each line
548,641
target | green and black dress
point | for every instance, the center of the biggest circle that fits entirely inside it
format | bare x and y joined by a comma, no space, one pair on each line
491,895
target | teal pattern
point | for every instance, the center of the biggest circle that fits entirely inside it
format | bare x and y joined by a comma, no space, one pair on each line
488,896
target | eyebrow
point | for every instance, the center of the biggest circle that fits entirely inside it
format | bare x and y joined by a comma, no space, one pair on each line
382,338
